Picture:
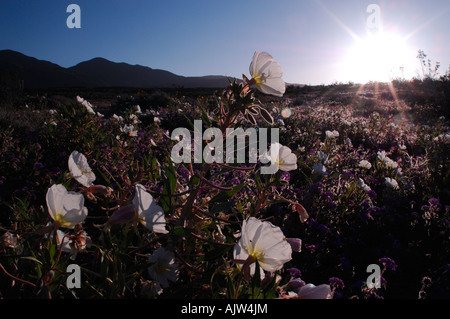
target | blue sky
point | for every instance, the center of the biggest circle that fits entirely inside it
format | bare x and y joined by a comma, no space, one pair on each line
309,38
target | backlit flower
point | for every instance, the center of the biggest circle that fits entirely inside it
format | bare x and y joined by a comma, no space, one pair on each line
332,134
129,130
143,209
319,168
149,213
390,182
310,291
163,267
80,170
65,208
365,164
363,185
264,243
267,74
282,157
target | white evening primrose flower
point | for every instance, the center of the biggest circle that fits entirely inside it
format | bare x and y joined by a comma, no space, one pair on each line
264,243
365,164
80,170
65,208
282,157
319,168
72,243
163,267
331,134
148,212
389,163
311,291
267,74
323,157
390,182
117,117
363,185
382,156
138,110
129,130
88,106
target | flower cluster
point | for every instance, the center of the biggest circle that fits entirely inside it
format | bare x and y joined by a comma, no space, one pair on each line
354,184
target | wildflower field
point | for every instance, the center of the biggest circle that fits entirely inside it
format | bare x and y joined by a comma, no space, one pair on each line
88,178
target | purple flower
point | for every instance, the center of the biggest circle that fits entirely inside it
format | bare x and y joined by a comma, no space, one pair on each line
285,176
337,283
38,165
388,263
316,188
434,202
295,272
372,194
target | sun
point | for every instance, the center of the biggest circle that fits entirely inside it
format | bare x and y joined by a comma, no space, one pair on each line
379,57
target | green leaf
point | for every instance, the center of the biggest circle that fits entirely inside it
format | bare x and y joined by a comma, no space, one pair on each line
32,259
194,180
170,184
205,116
220,207
225,195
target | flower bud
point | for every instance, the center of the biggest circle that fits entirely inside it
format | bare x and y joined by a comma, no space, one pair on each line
100,189
123,215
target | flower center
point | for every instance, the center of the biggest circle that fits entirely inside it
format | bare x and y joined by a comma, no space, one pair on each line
161,268
84,171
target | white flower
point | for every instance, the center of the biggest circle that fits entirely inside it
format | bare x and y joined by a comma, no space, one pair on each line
332,134
311,291
80,170
389,163
381,155
129,130
267,74
117,118
323,157
444,137
264,243
148,212
163,267
363,185
365,164
319,168
349,143
390,182
65,208
138,109
282,157
135,119
72,244
88,106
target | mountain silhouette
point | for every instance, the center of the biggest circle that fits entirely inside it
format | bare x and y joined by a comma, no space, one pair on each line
98,72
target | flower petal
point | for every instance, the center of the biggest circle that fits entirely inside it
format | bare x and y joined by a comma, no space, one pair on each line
55,199
311,291
150,214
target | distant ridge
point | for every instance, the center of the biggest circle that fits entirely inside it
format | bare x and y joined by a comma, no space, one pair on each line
98,72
